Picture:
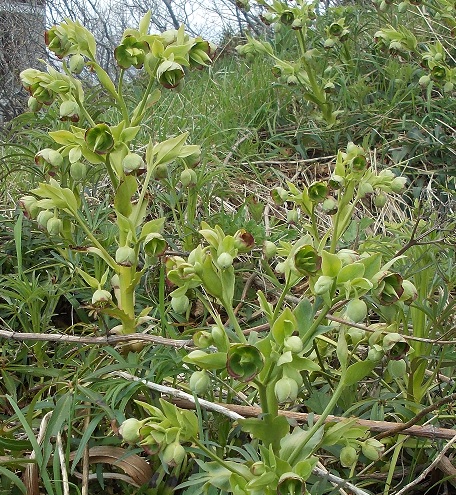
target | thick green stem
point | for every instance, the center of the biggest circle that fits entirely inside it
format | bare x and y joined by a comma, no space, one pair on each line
190,215
127,294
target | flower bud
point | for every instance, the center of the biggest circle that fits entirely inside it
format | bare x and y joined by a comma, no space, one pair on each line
336,182
410,293
243,241
202,339
76,64
115,281
380,200
225,260
69,110
78,171
397,369
50,157
29,206
292,216
356,310
364,189
101,297
279,195
329,206
375,353
347,256
258,468
126,256
424,81
43,217
395,345
296,24
129,430
372,449
220,338
448,87
191,161
398,184
174,454
188,177
356,335
33,104
180,304
323,285
293,344
286,390
348,456
292,80
329,43
54,226
269,249
132,162
160,172
199,382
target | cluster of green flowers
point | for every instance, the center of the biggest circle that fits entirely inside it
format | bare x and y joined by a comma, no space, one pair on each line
211,266
163,432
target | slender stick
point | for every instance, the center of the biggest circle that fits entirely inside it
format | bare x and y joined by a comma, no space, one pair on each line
430,468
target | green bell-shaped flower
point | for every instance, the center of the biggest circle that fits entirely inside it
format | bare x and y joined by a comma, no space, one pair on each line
169,74
244,362
99,139
131,52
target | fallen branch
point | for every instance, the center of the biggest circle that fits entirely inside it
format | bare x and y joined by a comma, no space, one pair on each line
105,340
431,432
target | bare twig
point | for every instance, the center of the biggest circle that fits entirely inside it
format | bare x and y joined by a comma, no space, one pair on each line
174,392
105,340
247,286
402,427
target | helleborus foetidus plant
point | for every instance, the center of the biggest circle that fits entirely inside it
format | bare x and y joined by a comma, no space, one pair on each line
274,367
87,142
